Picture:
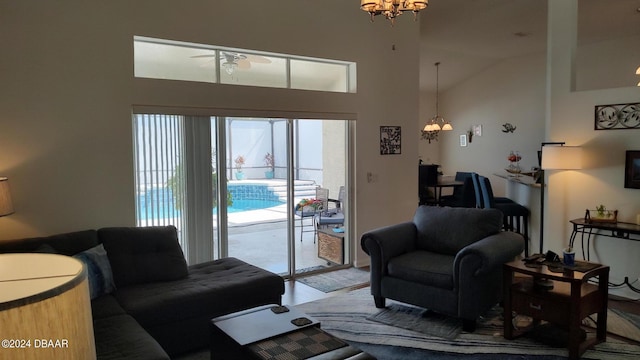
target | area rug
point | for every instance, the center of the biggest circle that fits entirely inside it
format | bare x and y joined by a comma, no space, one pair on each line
619,323
337,280
345,316
419,319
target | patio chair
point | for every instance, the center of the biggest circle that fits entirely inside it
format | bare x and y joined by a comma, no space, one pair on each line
322,194
331,216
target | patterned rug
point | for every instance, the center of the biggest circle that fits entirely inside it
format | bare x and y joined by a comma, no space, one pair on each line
345,316
337,280
619,323
420,320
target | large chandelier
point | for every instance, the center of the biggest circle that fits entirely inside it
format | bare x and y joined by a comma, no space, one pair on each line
436,123
392,8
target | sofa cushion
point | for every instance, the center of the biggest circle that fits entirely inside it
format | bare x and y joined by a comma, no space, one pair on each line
65,244
120,337
447,230
218,286
143,254
423,267
105,306
98,270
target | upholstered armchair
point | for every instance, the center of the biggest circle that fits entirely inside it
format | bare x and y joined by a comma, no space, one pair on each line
448,260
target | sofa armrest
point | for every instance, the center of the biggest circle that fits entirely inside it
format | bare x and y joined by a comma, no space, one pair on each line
384,243
490,253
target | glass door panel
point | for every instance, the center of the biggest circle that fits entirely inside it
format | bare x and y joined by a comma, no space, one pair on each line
257,185
320,154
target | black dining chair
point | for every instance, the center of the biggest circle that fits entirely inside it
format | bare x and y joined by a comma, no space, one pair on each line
463,196
516,216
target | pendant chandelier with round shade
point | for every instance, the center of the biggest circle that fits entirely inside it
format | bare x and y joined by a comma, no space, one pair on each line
436,123
393,8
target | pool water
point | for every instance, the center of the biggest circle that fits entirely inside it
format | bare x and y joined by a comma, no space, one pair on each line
158,203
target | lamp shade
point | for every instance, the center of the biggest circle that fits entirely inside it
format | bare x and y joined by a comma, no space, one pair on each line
44,304
6,206
561,157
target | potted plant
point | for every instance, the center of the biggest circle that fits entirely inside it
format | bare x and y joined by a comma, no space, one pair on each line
269,160
239,161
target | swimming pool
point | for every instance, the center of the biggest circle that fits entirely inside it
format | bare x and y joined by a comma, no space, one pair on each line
158,203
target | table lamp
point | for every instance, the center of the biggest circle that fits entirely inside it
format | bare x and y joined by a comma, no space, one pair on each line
6,206
45,311
556,156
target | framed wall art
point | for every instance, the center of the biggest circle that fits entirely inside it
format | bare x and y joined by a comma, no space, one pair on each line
617,116
632,170
390,140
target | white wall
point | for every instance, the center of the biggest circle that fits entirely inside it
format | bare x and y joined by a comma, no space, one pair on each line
535,94
601,181
68,90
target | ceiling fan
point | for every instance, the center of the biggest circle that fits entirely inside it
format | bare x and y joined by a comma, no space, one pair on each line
232,61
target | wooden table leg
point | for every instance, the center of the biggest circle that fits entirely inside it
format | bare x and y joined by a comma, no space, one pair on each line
506,299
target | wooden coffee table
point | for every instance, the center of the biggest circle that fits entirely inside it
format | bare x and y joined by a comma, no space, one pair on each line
261,332
571,299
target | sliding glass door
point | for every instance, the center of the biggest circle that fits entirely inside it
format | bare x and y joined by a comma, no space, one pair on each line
233,186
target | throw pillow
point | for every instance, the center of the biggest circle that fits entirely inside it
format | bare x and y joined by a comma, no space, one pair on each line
144,254
98,271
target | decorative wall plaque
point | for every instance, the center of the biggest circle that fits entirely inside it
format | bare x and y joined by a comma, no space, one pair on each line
617,116
390,140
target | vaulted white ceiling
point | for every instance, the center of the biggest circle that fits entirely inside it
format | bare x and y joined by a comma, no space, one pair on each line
466,36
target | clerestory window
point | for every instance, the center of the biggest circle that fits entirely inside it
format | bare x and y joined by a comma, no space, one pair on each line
176,60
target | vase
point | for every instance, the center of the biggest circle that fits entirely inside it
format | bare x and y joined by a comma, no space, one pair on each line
268,174
239,175
514,163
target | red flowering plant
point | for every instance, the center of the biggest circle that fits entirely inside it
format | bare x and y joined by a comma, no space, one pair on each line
315,204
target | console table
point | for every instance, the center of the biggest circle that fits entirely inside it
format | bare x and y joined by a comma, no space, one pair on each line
620,230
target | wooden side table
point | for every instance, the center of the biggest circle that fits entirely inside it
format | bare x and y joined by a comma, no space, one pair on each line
571,300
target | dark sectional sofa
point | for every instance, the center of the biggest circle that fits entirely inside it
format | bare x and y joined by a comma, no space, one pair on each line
146,302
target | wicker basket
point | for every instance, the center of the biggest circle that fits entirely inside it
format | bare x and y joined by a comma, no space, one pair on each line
331,246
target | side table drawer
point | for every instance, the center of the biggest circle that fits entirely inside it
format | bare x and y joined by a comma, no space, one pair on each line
541,308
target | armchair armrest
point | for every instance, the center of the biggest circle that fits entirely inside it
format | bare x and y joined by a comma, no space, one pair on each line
384,243
390,241
490,252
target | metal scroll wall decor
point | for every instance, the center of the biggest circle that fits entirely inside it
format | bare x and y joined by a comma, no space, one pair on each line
390,140
617,116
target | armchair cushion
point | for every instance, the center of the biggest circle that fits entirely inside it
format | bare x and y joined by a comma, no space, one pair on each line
423,267
444,230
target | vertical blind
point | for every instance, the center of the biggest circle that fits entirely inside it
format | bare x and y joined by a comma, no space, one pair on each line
159,174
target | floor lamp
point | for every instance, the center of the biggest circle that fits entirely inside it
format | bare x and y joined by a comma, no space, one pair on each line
555,156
